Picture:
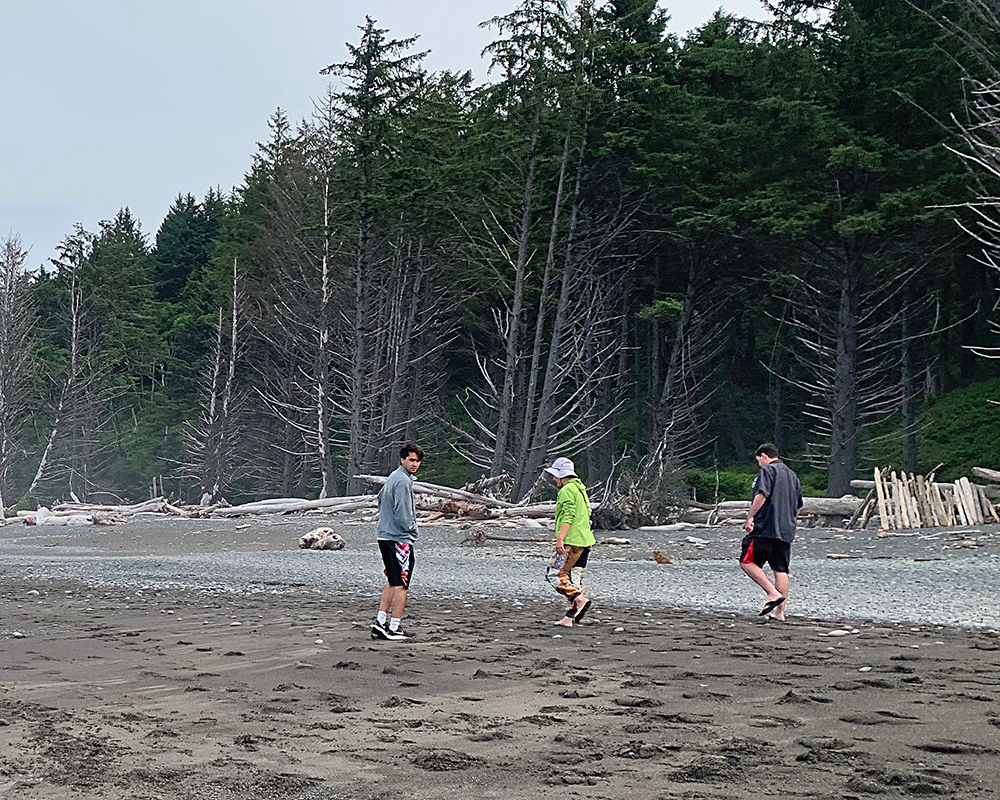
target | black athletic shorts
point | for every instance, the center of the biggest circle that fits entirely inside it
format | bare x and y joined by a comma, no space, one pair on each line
398,559
762,550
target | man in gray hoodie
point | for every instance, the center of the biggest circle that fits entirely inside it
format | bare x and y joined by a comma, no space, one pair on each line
397,533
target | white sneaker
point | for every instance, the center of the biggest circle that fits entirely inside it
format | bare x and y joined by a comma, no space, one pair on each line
398,635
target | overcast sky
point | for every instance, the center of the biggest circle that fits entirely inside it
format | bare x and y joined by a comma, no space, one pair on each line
113,103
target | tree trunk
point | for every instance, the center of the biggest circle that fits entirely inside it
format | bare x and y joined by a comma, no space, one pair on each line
844,405
546,406
500,448
524,470
329,485
668,394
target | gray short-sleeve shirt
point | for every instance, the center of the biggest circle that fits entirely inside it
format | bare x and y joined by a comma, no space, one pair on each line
776,518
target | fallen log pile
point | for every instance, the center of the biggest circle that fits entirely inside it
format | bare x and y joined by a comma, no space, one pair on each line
731,512
900,501
905,501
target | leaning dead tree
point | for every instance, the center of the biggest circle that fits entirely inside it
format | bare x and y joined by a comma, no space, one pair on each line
980,133
213,455
16,324
562,375
845,329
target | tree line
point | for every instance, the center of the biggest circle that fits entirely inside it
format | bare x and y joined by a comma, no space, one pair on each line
640,251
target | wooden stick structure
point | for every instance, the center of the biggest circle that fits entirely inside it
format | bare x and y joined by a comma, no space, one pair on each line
906,501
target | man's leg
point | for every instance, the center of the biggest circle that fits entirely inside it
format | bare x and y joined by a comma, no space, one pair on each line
385,601
397,601
781,584
758,576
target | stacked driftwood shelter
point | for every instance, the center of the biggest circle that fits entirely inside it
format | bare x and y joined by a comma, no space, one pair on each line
904,501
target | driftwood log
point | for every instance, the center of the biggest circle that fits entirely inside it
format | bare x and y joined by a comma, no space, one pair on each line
291,504
988,474
419,487
845,506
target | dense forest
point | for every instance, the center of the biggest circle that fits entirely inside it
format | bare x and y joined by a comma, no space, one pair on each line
644,252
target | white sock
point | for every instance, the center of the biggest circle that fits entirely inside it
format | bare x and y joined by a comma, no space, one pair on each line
394,624
382,617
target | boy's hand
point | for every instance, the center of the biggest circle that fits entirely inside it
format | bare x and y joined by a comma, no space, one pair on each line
560,547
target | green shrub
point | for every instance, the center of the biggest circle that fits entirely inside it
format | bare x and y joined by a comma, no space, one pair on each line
732,484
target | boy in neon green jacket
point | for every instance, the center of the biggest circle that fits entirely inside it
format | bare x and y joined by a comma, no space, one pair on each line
573,538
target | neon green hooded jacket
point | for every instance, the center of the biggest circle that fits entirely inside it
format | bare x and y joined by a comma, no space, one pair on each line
573,506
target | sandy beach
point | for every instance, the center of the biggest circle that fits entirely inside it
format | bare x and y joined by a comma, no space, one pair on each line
131,692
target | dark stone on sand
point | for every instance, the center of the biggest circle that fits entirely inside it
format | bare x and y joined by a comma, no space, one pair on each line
490,736
444,761
951,748
637,702
792,696
875,781
400,702
709,769
636,749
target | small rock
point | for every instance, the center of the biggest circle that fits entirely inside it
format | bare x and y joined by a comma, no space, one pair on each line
34,593
319,641
235,624
619,630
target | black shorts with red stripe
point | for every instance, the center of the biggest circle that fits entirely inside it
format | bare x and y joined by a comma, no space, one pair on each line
761,550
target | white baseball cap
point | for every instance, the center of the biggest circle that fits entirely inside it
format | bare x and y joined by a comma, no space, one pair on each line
561,468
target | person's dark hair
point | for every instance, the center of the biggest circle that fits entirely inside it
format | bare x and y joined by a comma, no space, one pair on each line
406,449
767,449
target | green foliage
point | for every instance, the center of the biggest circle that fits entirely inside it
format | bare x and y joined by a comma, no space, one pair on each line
667,310
710,486
961,430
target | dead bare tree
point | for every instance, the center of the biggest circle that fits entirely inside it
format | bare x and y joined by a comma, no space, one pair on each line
213,456
60,456
577,362
979,132
16,325
848,353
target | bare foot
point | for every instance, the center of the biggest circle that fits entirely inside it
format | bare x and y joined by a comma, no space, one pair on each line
566,622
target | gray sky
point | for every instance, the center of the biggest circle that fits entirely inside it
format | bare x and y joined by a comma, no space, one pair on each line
113,103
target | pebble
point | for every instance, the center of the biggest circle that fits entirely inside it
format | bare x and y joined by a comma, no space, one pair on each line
319,641
235,624
34,593
619,630
865,669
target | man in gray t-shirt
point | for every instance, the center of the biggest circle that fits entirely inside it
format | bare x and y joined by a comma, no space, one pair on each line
770,527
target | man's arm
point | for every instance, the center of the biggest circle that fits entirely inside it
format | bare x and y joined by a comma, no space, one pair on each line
758,501
403,507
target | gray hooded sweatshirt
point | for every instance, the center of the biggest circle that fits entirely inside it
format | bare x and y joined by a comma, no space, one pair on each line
397,515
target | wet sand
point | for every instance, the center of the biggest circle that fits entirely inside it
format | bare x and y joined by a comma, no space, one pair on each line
124,693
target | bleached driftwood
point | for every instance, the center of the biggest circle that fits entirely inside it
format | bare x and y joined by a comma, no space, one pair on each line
988,474
291,504
913,501
156,505
419,487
